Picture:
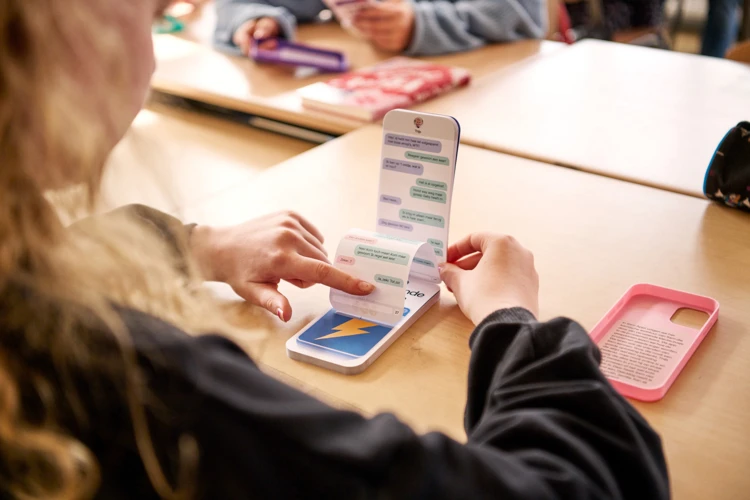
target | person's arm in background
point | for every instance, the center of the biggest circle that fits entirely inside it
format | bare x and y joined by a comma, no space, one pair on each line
424,28
239,20
740,52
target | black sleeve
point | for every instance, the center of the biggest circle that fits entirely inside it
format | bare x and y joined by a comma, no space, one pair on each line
542,423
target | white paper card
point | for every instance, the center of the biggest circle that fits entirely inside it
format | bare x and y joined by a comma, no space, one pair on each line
387,263
414,203
416,187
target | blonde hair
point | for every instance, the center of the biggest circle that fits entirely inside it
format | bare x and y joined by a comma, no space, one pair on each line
55,283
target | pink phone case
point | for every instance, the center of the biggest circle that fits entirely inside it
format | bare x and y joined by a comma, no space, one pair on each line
643,351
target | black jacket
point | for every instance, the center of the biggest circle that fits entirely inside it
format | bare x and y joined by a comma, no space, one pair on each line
541,420
542,423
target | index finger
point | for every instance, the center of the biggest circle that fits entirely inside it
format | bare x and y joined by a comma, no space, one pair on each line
316,271
242,36
470,262
474,242
247,27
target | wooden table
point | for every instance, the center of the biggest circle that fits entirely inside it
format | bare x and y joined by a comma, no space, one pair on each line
648,116
170,159
593,237
187,66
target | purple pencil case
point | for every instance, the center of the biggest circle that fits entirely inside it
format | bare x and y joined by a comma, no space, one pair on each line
280,51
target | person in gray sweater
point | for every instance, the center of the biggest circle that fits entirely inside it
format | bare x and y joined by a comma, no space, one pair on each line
417,28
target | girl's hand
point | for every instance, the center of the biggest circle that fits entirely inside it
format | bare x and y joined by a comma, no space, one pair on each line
489,271
255,256
388,25
258,29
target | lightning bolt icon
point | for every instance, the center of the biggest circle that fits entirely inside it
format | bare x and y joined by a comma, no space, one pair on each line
349,329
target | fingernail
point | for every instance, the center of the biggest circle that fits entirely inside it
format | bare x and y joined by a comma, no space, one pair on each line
280,314
365,286
441,267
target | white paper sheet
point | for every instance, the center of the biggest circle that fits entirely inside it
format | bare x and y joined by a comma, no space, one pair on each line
411,239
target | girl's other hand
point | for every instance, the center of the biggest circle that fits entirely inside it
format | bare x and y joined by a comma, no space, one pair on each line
489,271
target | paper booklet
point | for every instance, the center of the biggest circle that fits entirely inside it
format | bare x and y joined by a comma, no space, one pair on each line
369,93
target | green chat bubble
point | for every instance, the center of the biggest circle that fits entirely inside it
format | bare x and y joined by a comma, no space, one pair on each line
382,254
435,243
423,262
427,194
440,160
389,280
421,218
432,184
438,252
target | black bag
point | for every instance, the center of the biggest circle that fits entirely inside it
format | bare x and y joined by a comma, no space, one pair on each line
728,175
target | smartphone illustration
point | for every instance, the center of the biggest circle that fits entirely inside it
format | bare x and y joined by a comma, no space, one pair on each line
418,168
400,257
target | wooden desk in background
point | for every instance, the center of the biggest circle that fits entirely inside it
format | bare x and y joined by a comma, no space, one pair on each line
643,115
593,237
171,158
187,66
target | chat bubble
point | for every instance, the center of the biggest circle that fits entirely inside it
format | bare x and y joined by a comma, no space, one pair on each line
389,280
393,200
382,254
427,194
418,143
405,167
432,184
421,218
440,160
343,259
436,243
438,252
361,239
395,225
398,238
423,262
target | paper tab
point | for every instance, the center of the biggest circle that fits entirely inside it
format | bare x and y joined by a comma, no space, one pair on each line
386,262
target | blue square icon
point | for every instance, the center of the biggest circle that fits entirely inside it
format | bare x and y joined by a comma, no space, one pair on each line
345,335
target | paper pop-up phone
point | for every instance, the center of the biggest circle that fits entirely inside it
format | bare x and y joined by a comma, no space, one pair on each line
400,257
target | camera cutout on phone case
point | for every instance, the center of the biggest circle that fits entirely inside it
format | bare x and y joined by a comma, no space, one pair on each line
689,318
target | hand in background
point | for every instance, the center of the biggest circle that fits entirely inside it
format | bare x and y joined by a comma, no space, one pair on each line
258,29
489,271
255,256
185,8
388,25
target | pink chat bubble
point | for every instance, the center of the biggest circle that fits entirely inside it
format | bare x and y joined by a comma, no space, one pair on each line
343,259
361,239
